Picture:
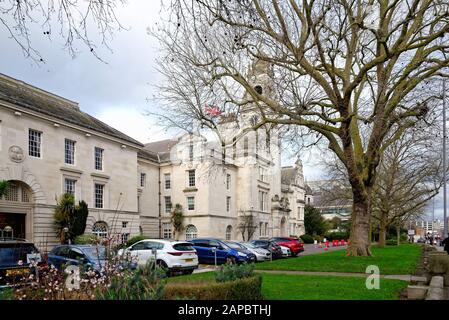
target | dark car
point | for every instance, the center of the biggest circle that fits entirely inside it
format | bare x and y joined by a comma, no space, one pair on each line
89,256
295,245
211,250
18,259
270,245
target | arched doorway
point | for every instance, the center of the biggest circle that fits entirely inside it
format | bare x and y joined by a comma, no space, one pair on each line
283,227
15,210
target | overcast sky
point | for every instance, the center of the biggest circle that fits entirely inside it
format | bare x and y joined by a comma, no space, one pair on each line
117,92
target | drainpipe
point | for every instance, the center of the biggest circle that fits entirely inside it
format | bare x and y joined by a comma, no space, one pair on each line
159,197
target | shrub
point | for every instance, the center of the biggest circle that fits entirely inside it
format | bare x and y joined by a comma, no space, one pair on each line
337,236
86,239
135,239
3,187
318,238
394,242
7,294
231,272
241,289
139,284
307,238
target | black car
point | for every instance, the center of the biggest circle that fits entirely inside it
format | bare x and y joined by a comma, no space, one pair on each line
18,259
270,245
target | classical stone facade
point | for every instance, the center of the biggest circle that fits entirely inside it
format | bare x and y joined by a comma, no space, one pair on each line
48,146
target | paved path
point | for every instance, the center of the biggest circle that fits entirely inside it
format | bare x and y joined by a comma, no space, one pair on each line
310,249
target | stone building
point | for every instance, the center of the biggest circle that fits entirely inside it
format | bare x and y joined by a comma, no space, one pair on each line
48,146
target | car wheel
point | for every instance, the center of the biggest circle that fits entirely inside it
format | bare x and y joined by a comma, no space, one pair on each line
230,260
161,264
188,271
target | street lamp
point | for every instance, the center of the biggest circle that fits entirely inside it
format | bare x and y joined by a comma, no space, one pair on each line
66,231
444,161
8,229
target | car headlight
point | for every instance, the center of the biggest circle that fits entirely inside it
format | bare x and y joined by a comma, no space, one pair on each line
241,254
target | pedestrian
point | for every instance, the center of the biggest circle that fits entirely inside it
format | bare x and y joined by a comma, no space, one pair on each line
445,242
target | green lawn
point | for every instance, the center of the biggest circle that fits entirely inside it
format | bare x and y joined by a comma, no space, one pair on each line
401,259
302,287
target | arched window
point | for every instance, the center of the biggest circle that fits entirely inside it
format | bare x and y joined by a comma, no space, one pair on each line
191,232
228,232
17,192
100,229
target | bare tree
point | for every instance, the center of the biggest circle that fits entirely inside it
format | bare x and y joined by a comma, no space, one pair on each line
410,174
74,18
247,226
332,67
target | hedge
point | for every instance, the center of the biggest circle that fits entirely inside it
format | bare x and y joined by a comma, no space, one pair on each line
242,289
307,238
337,236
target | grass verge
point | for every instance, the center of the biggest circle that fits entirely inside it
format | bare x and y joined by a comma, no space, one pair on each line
401,259
302,287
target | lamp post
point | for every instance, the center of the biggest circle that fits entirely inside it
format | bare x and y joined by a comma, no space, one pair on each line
444,161
66,231
9,230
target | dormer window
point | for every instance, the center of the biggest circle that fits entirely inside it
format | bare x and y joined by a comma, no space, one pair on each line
258,89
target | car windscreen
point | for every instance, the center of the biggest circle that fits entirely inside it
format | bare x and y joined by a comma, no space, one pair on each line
183,247
95,253
249,245
11,254
233,245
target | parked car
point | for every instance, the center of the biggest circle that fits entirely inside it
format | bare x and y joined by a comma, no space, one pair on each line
175,256
260,253
293,243
421,240
286,252
272,246
87,256
238,246
211,250
18,258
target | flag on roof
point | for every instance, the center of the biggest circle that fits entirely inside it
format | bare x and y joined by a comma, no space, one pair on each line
213,111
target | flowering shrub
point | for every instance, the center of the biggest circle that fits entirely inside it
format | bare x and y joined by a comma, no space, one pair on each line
118,278
140,284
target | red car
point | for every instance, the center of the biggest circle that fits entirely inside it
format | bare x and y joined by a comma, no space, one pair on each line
295,245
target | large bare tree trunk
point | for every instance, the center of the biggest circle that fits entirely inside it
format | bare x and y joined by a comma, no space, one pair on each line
360,224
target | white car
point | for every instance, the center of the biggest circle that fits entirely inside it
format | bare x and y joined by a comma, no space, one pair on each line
286,252
175,256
